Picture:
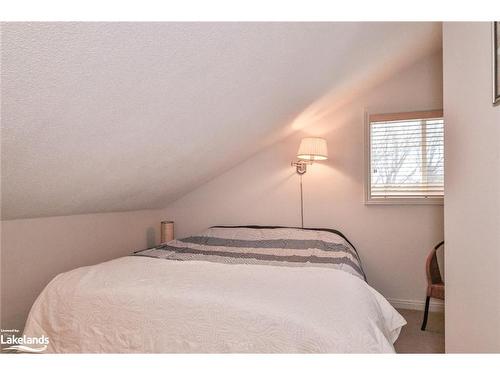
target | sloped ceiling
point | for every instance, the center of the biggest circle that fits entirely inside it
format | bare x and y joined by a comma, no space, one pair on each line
100,117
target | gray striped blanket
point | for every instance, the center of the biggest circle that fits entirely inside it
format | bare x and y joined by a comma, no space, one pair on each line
278,246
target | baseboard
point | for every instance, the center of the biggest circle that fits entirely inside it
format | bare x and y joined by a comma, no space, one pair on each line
435,305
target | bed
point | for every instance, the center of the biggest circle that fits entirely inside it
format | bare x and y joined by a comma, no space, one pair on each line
228,290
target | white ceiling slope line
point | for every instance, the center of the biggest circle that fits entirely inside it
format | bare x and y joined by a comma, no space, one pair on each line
103,117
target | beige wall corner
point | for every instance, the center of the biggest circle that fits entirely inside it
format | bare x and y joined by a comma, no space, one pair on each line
33,251
472,190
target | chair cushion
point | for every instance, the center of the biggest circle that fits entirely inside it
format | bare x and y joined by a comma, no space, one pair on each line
437,291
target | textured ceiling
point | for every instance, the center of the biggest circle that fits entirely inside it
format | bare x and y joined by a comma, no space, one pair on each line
100,117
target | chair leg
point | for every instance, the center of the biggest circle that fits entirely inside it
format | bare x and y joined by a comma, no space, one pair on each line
426,313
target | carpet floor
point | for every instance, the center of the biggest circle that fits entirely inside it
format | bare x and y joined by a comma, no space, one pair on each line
413,340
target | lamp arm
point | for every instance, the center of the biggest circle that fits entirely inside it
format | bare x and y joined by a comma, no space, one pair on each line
301,165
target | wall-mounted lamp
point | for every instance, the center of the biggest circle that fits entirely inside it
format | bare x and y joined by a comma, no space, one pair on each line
310,150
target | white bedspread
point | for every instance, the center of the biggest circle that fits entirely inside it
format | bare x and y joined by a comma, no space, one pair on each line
146,305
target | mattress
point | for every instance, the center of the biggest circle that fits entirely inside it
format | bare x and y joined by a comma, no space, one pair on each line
145,304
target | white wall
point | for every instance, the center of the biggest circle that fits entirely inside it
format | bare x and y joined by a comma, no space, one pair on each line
393,241
472,202
147,97
33,251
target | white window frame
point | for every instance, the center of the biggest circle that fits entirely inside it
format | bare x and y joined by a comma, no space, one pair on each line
367,148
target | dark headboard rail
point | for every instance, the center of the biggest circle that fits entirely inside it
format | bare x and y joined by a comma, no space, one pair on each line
283,227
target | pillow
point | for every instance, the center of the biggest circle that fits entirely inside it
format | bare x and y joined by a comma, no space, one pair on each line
278,246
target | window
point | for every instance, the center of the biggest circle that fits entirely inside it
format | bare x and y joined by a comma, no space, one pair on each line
405,158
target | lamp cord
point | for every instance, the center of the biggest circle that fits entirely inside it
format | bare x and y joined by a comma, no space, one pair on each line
301,204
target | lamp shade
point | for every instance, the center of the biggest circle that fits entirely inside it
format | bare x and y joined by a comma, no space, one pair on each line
313,149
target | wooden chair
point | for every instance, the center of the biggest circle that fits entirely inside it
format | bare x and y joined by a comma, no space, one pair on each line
435,283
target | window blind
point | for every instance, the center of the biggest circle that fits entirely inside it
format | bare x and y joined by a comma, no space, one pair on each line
406,157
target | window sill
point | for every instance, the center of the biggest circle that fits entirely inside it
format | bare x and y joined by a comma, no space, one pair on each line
405,201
